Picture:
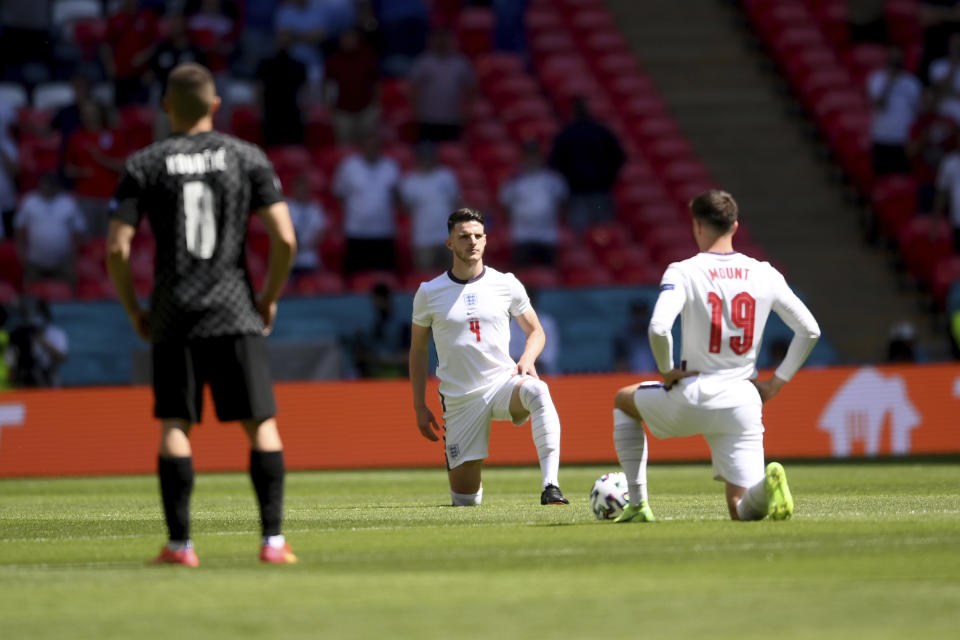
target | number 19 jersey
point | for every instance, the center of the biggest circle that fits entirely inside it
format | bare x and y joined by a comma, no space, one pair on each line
470,321
197,191
724,301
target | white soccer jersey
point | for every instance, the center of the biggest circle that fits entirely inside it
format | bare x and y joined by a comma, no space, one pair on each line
724,301
470,320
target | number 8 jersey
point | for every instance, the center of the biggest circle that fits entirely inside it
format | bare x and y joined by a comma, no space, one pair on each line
197,191
724,301
470,321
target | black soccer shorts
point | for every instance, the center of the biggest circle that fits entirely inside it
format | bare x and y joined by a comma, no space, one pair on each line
236,367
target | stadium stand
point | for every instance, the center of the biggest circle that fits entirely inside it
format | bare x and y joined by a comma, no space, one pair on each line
575,50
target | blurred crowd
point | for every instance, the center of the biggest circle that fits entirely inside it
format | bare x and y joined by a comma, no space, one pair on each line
294,75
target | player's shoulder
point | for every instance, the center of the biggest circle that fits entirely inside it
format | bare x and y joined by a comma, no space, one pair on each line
436,283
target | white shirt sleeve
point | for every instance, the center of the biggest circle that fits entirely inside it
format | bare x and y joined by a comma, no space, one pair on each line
669,305
806,331
519,300
421,314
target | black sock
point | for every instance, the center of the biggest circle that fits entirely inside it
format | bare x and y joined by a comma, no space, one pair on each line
176,485
267,473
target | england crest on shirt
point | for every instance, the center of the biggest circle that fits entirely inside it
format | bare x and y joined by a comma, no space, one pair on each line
470,300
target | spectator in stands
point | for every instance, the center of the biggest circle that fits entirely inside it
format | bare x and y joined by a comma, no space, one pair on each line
174,49
931,138
49,227
353,86
939,19
546,362
302,26
9,168
25,44
309,223
902,347
429,193
895,100
533,199
382,351
442,85
132,35
67,118
93,161
403,26
282,78
366,183
631,347
947,200
945,80
50,345
589,157
214,31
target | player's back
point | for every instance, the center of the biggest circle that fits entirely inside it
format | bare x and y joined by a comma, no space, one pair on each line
728,300
197,191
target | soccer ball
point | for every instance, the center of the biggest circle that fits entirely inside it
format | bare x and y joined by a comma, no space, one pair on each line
609,495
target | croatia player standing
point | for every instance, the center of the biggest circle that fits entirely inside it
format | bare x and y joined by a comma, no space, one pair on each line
468,311
205,324
723,299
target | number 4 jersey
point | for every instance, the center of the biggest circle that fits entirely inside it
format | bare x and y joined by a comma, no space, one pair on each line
198,191
470,321
724,301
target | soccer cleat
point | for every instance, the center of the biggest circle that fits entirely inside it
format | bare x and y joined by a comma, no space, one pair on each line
779,500
277,555
186,557
552,495
636,513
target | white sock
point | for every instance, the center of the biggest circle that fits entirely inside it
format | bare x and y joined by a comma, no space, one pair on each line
467,499
177,545
630,440
276,542
753,504
545,428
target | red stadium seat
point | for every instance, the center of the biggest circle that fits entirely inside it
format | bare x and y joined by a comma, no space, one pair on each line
475,31
364,281
596,276
394,94
945,273
318,128
894,198
318,283
902,19
95,290
508,89
538,277
247,123
864,58
924,241
11,271
88,34
289,158
50,290
7,293
601,238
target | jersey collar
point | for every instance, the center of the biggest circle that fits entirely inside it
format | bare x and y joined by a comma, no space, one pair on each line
459,281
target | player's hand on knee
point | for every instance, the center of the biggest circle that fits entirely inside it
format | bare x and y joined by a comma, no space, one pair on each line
525,368
428,424
673,376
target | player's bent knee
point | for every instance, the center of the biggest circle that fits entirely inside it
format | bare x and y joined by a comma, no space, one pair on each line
467,499
534,394
624,401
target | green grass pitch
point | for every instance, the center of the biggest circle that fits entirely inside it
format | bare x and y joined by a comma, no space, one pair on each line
873,551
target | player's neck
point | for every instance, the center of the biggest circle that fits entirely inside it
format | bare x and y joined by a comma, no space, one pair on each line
189,128
466,271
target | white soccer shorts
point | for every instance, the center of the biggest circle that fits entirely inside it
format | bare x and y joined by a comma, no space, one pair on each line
466,425
735,435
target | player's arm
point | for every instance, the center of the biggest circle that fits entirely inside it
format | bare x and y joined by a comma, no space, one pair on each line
806,332
529,323
119,241
283,249
660,333
419,364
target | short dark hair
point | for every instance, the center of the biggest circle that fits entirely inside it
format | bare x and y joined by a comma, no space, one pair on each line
190,91
465,214
715,208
